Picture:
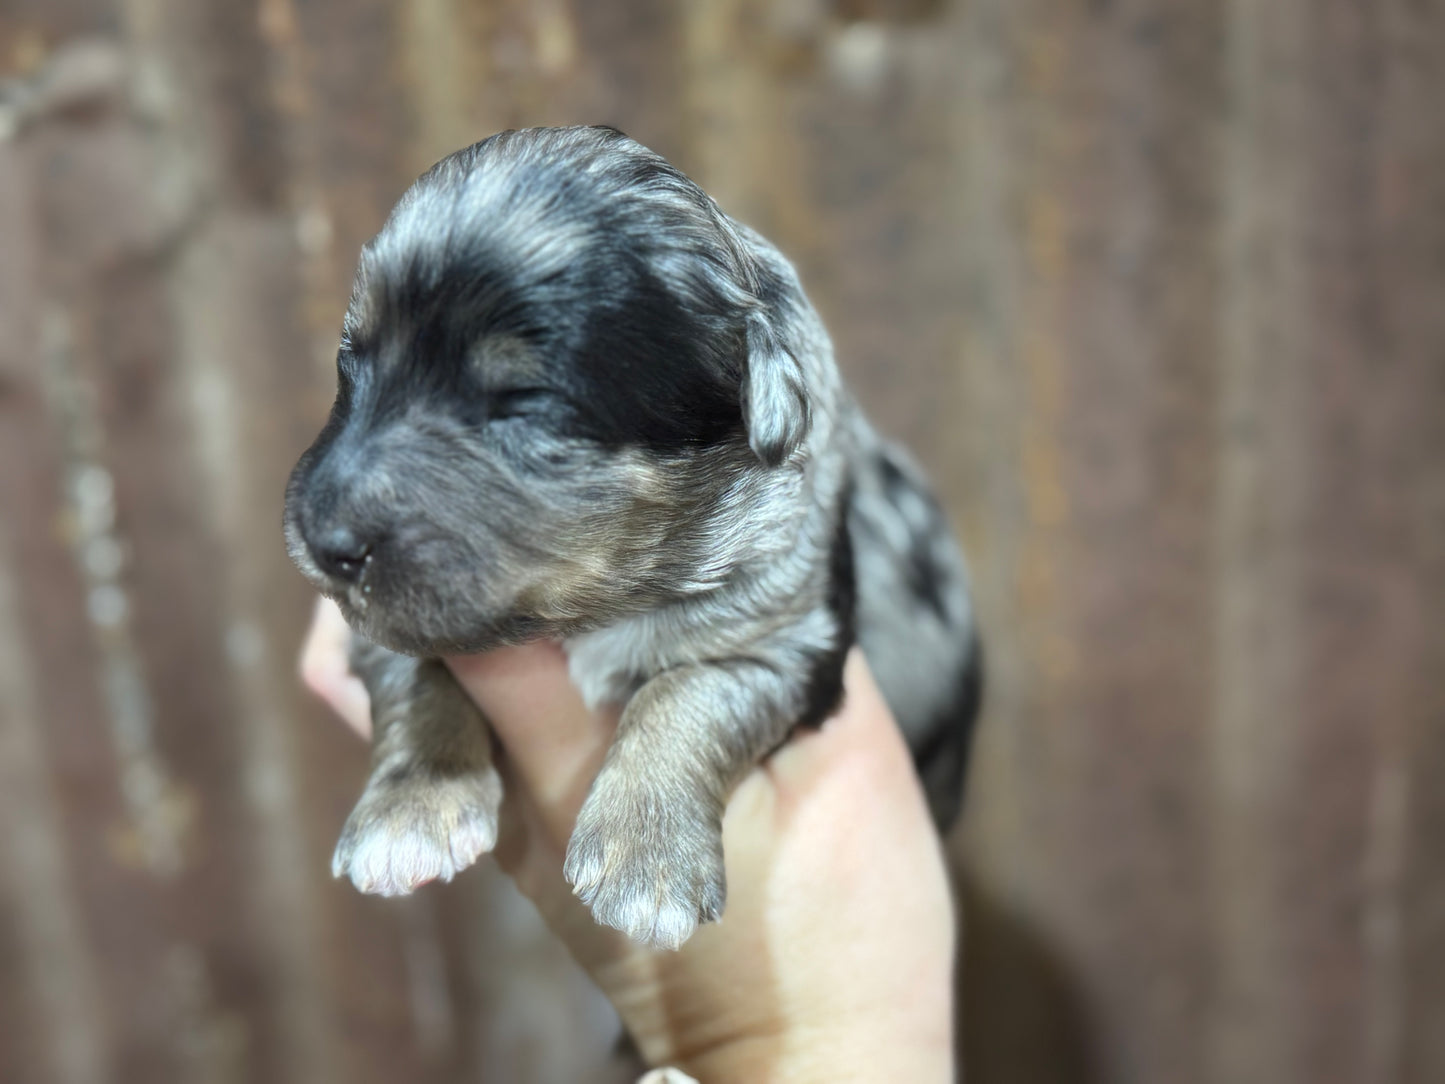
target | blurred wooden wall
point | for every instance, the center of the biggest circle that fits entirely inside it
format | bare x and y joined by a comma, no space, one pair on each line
1156,288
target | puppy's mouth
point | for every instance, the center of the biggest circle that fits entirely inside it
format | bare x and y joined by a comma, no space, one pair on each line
357,591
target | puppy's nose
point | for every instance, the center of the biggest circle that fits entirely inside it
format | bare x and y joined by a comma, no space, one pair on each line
341,552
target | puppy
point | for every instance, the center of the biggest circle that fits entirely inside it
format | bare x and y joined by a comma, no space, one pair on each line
578,401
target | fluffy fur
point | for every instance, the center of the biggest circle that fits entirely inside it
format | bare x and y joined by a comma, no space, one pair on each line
577,401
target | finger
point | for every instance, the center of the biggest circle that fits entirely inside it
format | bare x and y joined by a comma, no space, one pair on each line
552,748
326,668
553,743
530,848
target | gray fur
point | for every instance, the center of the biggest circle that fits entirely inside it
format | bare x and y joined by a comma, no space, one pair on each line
580,402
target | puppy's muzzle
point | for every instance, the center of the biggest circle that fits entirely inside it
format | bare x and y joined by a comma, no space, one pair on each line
339,539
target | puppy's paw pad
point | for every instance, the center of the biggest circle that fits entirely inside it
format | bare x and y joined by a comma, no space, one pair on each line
643,874
406,832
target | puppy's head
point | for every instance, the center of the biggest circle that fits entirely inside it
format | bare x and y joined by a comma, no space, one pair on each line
558,359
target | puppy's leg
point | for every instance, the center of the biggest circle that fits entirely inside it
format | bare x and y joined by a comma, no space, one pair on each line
646,854
430,808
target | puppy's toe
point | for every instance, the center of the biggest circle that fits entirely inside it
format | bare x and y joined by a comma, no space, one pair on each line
408,831
652,876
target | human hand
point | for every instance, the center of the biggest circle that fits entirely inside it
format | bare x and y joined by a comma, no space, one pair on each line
833,961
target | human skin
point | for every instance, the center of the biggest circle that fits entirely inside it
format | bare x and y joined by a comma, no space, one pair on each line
833,961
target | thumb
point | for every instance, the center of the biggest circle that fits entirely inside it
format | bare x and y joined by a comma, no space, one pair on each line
553,744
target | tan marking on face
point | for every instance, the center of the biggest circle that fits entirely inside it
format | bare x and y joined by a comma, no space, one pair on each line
504,361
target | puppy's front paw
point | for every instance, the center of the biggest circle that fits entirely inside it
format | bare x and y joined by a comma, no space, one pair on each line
651,872
408,830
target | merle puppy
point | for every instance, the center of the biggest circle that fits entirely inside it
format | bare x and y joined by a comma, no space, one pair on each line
576,400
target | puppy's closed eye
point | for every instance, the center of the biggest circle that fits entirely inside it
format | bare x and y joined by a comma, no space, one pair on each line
510,403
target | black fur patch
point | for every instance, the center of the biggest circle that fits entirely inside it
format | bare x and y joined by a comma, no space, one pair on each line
624,366
627,358
942,756
924,575
644,378
825,684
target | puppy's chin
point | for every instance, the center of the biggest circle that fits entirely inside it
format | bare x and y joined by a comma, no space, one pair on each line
394,631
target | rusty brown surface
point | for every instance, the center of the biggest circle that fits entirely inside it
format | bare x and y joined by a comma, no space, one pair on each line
1154,289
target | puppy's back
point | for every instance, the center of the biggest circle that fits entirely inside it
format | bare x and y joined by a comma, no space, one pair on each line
915,619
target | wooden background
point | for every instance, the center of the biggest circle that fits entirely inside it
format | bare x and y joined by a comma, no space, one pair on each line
1156,288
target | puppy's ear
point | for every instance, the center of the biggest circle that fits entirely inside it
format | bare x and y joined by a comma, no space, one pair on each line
775,400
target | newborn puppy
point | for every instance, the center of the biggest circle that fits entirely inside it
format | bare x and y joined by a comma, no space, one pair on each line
578,401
